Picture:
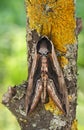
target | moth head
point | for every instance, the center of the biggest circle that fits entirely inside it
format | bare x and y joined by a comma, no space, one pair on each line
44,46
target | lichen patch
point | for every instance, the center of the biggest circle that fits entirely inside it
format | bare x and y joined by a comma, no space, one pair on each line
54,19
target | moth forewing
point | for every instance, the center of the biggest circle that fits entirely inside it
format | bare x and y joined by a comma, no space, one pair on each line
37,95
52,92
61,80
30,82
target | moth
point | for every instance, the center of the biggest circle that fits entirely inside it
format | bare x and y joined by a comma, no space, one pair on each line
46,78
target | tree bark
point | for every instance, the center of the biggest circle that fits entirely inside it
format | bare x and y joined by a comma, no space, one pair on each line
48,117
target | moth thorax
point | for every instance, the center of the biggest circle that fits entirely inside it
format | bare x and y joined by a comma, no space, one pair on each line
43,51
44,64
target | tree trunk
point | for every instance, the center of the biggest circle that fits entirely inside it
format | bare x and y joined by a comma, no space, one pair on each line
54,19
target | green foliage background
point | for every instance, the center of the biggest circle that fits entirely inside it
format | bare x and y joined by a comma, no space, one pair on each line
13,58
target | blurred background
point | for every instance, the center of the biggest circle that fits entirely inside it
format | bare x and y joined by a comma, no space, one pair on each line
13,60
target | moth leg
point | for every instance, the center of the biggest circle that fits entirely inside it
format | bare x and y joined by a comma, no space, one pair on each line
37,95
52,93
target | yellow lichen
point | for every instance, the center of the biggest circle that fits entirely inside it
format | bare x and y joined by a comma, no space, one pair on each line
51,106
54,19
70,98
74,125
23,120
63,61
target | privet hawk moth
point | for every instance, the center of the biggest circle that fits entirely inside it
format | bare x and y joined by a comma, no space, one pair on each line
46,78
